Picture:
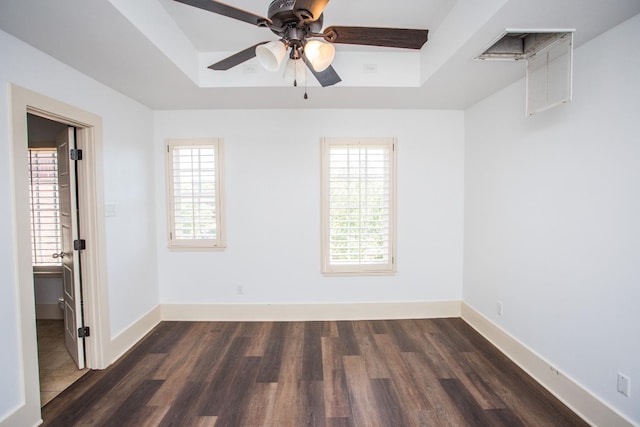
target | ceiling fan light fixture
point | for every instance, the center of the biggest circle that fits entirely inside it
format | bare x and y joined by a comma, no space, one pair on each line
295,72
270,54
319,54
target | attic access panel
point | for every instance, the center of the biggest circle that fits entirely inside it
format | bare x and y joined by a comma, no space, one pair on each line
549,56
515,45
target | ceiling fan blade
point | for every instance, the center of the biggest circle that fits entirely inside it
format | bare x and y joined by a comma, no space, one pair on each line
238,58
372,36
314,7
328,77
230,11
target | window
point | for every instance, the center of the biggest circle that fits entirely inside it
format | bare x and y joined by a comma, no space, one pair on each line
358,206
45,207
195,193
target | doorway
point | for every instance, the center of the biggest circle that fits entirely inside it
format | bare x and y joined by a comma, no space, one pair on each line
91,219
54,226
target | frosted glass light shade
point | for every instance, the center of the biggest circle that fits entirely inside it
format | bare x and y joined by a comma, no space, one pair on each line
319,54
270,54
295,70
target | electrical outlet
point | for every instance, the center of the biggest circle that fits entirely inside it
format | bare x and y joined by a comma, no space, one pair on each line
624,385
239,289
370,68
499,308
250,68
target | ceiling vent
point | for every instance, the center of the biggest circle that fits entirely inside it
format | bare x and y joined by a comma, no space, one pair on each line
549,56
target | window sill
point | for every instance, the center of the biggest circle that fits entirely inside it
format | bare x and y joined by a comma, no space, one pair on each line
197,248
47,270
358,273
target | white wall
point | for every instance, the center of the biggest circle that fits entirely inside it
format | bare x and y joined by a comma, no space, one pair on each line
47,289
128,183
272,169
552,208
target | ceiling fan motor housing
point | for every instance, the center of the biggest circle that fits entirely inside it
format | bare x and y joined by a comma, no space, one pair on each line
283,16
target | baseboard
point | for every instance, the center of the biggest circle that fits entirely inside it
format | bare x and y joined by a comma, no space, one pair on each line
26,415
126,339
309,312
572,394
49,311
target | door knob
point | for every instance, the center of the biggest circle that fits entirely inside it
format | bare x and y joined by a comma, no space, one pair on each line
59,255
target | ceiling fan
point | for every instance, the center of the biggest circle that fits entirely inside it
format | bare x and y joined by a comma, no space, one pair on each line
298,23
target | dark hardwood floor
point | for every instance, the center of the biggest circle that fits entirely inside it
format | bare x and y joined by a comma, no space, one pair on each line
435,372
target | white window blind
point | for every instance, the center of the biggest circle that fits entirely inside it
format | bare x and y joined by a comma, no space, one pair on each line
195,217
359,206
45,206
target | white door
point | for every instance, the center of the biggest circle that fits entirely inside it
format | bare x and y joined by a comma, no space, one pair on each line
70,257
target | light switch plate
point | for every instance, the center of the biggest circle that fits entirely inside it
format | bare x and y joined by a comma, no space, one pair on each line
624,385
109,209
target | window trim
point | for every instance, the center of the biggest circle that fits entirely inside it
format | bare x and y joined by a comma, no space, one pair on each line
196,244
360,269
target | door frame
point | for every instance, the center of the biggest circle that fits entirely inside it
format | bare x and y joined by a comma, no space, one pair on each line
92,224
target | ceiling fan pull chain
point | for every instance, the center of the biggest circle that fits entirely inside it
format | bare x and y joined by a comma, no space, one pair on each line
305,84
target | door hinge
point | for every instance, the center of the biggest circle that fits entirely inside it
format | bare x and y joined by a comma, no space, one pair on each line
75,154
84,332
79,245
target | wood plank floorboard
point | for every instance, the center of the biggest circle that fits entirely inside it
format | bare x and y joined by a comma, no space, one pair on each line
383,373
272,356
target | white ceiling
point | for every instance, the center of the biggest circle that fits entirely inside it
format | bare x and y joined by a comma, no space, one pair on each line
156,51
